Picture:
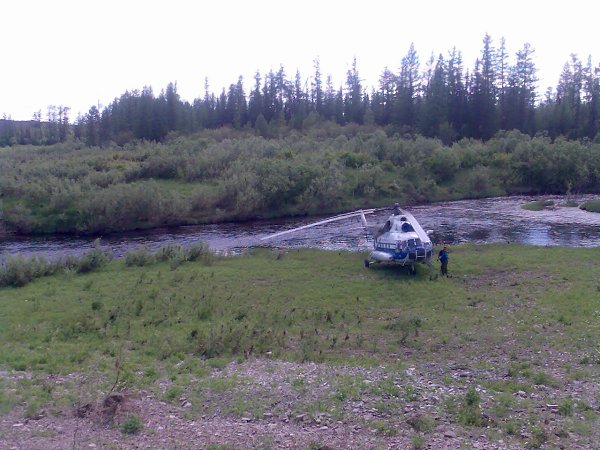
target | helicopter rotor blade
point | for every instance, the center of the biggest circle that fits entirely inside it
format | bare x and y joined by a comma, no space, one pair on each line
321,222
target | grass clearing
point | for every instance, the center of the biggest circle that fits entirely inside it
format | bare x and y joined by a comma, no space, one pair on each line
510,330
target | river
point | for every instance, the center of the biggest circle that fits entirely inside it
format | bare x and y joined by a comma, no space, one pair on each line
488,220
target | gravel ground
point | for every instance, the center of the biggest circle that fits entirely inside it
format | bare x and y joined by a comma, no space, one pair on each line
357,407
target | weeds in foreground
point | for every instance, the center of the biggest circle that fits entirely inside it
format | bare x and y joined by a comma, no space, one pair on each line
17,271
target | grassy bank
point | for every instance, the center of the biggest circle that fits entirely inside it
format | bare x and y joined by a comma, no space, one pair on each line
592,206
518,319
538,205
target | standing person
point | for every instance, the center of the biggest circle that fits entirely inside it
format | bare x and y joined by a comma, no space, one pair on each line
443,259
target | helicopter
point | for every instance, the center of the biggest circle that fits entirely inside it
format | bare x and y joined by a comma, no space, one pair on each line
400,240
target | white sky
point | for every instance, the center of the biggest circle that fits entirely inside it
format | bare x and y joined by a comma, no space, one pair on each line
78,53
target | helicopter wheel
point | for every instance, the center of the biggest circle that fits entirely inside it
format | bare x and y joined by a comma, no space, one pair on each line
412,270
367,263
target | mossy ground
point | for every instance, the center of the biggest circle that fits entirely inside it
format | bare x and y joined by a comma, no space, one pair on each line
517,316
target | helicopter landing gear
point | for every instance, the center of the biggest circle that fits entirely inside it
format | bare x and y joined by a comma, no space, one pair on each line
412,269
367,263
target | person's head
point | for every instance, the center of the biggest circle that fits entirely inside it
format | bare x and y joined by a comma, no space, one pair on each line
445,247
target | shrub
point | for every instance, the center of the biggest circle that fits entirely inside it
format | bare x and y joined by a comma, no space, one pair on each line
469,413
173,393
17,271
472,397
196,251
140,257
422,424
131,425
566,408
169,252
94,259
418,442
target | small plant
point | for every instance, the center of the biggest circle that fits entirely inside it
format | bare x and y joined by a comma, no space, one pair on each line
169,252
141,257
472,397
540,378
173,393
94,259
469,413
422,424
511,428
410,393
217,363
566,408
584,360
418,442
539,437
404,327
200,251
131,425
96,305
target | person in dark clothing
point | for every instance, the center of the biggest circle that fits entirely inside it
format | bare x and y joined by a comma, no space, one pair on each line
443,259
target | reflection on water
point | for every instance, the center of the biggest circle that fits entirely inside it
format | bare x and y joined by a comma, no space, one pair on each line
478,221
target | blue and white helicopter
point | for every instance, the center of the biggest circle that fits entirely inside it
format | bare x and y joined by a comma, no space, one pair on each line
400,240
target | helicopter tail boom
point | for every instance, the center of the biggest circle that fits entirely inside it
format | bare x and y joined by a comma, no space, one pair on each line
362,213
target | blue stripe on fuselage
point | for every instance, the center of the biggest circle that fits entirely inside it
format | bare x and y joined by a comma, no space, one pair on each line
395,254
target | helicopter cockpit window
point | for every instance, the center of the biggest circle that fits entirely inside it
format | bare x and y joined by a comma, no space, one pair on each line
406,227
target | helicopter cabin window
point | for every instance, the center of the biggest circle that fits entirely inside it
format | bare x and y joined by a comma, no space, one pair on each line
406,227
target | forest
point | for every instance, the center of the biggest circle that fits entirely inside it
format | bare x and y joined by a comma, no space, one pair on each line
439,98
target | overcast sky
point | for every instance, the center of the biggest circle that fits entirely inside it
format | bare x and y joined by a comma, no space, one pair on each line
78,53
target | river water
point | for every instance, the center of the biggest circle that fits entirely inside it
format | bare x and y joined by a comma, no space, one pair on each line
488,220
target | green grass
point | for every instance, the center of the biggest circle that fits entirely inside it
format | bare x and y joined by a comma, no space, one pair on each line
310,305
538,205
591,206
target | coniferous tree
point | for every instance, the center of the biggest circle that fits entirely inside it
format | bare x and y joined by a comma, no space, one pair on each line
317,88
255,103
92,122
434,111
353,99
407,89
382,102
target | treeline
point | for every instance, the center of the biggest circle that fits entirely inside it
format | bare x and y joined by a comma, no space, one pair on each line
54,129
226,174
439,98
